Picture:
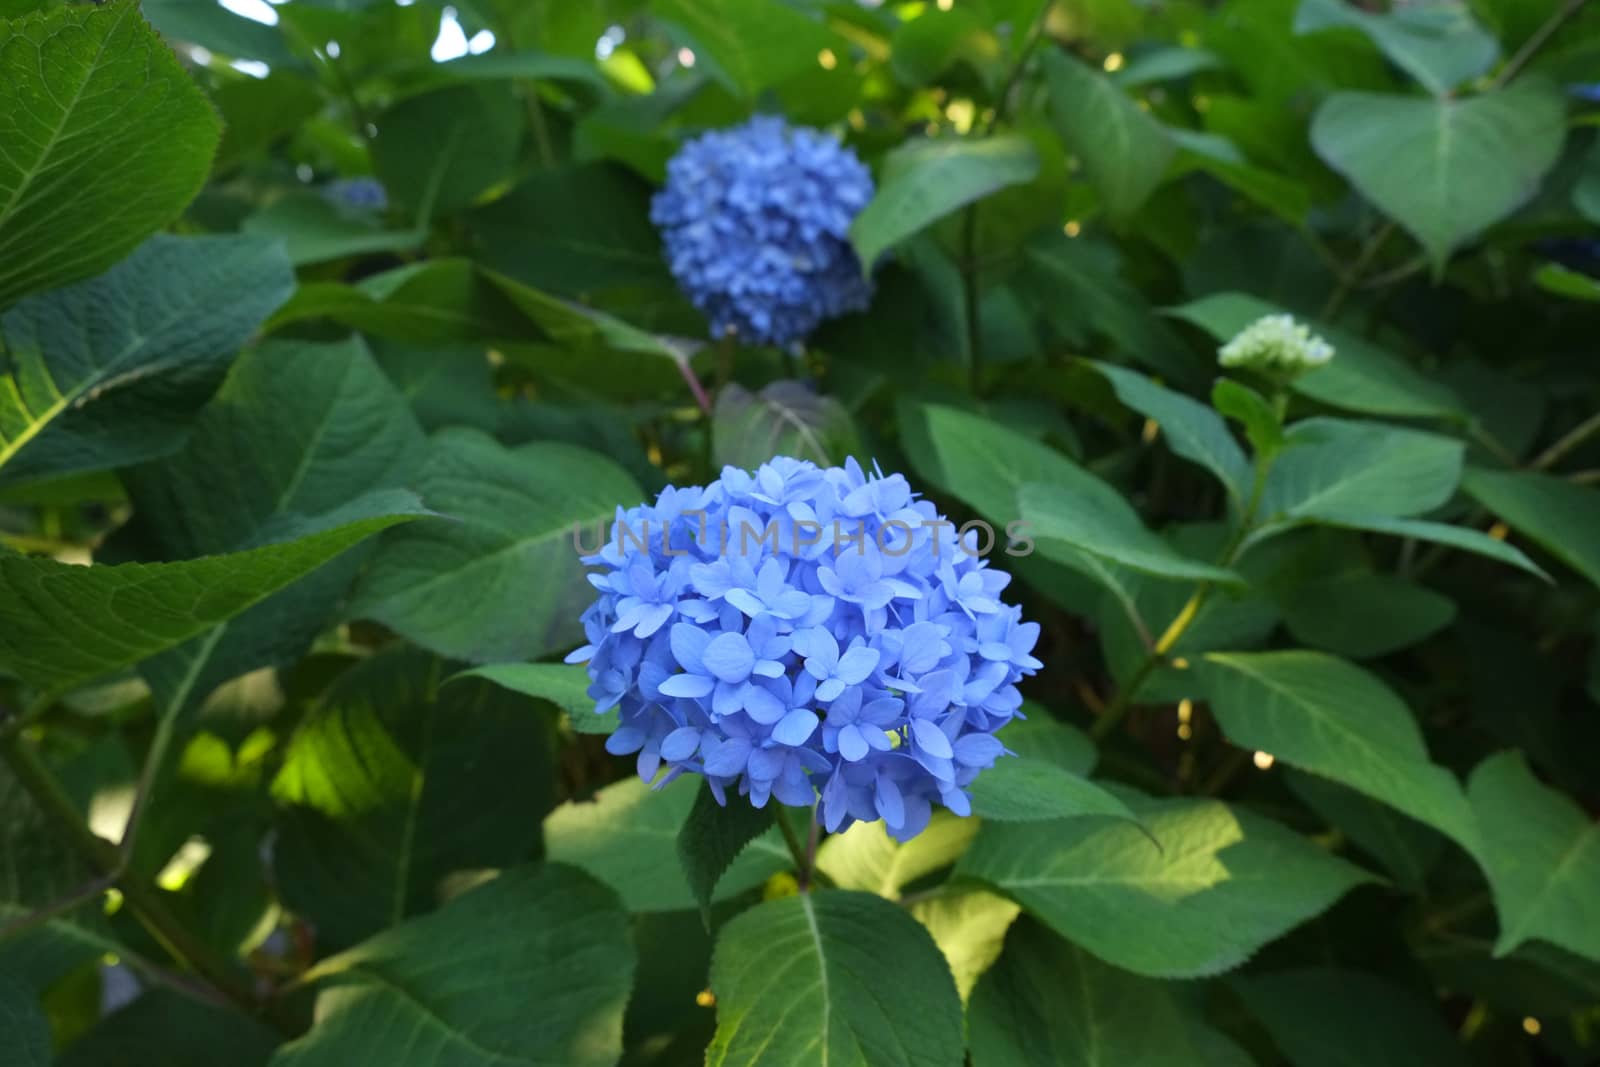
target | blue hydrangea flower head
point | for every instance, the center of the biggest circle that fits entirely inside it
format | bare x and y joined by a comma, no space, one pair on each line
814,635
755,222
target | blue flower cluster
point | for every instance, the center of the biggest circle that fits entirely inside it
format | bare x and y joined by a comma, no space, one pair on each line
755,221
800,632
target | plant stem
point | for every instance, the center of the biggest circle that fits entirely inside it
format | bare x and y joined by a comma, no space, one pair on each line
812,834
1118,708
1348,282
792,839
1014,75
1531,47
143,900
1577,436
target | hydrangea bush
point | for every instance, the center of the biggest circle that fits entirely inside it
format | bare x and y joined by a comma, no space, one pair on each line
984,533
819,636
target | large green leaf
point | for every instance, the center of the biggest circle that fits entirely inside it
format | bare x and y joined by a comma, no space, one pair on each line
1193,430
1437,43
314,229
62,625
1221,884
1445,169
106,137
565,686
1025,789
1107,527
1542,854
752,44
1405,847
1561,517
969,926
627,836
391,783
434,302
296,430
503,581
1333,469
839,978
1361,613
1049,1002
1362,376
105,372
530,969
1333,1018
1332,718
925,180
1123,149
437,151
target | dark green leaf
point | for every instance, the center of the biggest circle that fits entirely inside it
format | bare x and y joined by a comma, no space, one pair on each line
63,625
1437,43
712,837
565,686
105,372
23,1025
532,968
1331,1018
751,44
1193,430
784,419
1049,1002
1106,526
391,783
502,581
1559,516
1123,149
1262,426
163,1028
925,180
436,152
107,139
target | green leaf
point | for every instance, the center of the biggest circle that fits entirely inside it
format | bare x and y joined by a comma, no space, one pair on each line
1334,1017
164,1028
1437,43
23,1023
314,229
751,44
565,686
535,66
866,858
925,180
1554,278
1541,852
296,430
1560,517
969,926
1049,1002
1164,64
391,783
578,327
1043,738
107,140
1108,528
1445,169
785,418
1332,718
1468,540
503,581
1333,469
858,983
1124,151
925,47
1250,409
1362,614
1191,429
214,27
63,625
1361,377
627,837
532,968
1405,847
437,301
437,151
1222,884
256,112
103,373
1021,789
711,839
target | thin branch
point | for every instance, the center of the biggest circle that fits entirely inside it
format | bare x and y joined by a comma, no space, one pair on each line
1531,47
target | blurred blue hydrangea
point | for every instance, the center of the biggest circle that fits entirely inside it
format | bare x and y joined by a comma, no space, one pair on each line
365,194
755,221
801,632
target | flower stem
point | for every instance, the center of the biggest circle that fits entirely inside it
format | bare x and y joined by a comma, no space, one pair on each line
796,849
